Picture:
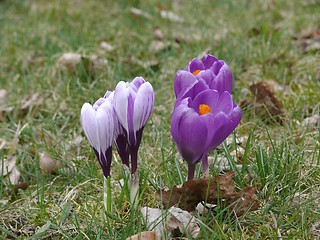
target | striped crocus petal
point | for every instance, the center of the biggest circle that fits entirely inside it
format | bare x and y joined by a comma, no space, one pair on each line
90,125
98,125
143,105
133,105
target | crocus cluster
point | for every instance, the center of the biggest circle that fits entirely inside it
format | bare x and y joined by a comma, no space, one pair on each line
119,117
204,114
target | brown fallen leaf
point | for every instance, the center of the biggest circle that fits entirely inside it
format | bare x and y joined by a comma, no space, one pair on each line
308,39
148,235
49,165
212,191
33,102
265,101
21,185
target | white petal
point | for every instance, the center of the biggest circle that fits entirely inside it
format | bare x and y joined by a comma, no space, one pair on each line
90,125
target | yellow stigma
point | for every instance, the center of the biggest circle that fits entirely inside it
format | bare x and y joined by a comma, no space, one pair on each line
204,109
196,72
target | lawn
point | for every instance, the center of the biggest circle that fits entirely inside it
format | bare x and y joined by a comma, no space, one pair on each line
275,43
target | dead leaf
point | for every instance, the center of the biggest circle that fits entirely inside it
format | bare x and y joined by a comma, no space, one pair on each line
4,202
315,230
308,39
140,13
49,165
158,46
3,97
22,185
265,101
212,191
30,102
7,165
184,221
14,175
307,33
158,34
173,221
171,16
138,62
148,235
106,47
312,121
69,61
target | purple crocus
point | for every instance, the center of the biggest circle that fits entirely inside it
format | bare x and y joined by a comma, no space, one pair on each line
201,123
98,124
215,73
133,104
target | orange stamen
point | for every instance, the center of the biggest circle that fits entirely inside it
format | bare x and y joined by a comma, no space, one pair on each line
204,109
196,72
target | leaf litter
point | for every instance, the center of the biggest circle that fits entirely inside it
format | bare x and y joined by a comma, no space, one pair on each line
174,221
216,190
266,102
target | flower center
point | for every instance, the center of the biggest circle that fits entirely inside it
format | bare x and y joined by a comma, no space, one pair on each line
196,72
204,109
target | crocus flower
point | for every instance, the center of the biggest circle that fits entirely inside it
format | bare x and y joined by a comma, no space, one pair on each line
120,139
98,124
201,123
216,74
133,104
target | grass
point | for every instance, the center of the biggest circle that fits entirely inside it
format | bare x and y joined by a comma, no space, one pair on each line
254,37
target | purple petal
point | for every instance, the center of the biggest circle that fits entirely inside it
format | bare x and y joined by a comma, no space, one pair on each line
189,132
182,81
137,82
208,60
224,126
122,148
223,79
224,103
207,76
98,103
130,118
193,90
194,65
209,97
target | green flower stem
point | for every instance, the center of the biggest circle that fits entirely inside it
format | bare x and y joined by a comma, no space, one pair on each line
107,199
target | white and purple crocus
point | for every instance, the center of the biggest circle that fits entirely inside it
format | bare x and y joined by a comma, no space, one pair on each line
98,122
119,117
204,114
133,104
